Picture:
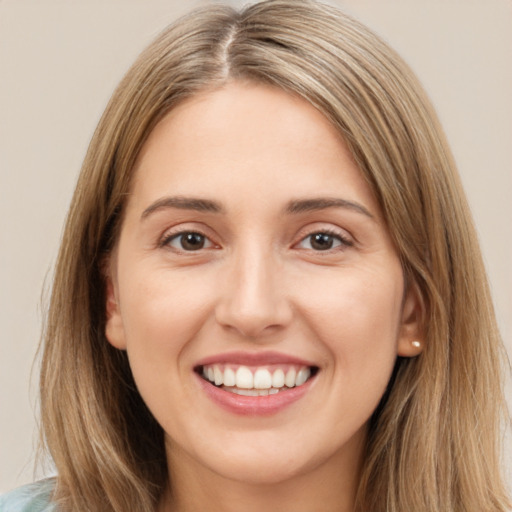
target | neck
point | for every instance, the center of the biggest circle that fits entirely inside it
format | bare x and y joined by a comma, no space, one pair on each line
328,487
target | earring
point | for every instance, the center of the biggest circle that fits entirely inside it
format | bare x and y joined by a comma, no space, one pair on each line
416,344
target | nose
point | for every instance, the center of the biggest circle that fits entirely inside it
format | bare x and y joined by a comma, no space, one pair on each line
253,298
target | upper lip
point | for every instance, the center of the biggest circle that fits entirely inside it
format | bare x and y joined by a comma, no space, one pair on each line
253,359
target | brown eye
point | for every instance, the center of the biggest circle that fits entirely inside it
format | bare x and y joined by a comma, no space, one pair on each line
322,241
189,241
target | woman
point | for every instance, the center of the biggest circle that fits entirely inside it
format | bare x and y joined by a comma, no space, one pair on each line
269,291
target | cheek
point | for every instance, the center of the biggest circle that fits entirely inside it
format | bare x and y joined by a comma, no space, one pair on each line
357,318
161,308
160,316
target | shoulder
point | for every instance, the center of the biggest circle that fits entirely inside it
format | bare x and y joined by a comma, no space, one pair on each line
29,498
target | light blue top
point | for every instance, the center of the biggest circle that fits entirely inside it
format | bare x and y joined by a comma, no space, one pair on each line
29,498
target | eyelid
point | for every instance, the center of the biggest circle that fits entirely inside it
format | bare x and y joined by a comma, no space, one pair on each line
178,236
182,229
346,239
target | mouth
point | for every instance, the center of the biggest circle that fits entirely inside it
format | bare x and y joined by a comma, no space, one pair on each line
256,381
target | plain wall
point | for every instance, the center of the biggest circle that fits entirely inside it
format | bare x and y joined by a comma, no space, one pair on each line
59,63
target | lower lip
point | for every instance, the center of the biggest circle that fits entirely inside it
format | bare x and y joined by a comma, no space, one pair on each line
254,405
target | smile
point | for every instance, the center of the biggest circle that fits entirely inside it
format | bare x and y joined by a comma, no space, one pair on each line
256,380
255,383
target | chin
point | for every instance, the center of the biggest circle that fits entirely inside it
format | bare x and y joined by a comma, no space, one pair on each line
267,459
259,471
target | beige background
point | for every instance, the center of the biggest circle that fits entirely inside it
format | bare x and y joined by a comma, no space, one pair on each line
59,62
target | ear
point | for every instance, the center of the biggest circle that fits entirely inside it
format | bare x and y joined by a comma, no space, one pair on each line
114,328
411,340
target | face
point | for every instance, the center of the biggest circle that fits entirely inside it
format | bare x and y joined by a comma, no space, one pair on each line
255,288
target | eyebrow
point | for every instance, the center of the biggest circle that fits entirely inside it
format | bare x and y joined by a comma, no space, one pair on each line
296,206
183,203
322,203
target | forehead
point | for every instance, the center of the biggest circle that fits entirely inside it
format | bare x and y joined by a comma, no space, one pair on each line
246,137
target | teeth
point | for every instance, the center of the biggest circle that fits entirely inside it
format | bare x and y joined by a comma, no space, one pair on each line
229,377
244,378
260,383
247,392
302,376
219,378
262,379
289,379
278,379
253,392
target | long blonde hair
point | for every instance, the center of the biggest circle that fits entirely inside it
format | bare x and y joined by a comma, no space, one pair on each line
433,442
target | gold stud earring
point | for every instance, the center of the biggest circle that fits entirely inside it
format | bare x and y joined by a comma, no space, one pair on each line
416,344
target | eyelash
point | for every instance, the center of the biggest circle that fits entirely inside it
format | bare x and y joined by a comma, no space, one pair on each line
344,241
167,239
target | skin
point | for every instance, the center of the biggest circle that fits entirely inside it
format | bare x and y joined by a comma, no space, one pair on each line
257,284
